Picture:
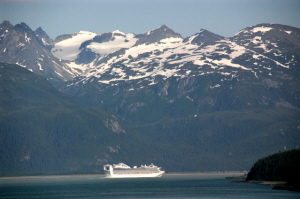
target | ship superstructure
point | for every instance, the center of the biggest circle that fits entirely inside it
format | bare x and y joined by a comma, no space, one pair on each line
122,170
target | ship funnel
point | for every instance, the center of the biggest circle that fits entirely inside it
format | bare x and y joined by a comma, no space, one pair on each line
108,169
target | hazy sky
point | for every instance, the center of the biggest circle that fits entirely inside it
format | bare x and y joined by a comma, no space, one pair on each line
224,17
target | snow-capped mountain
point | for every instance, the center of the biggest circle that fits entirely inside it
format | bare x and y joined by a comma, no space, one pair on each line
112,57
157,35
68,49
173,67
169,55
85,50
30,49
277,42
204,38
81,50
107,43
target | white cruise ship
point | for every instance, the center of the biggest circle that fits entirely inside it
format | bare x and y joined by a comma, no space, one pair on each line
122,170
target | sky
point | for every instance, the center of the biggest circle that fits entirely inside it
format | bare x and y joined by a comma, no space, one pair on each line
187,17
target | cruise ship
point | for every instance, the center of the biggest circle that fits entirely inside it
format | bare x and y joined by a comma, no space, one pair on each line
122,170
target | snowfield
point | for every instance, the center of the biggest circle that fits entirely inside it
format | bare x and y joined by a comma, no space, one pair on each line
69,49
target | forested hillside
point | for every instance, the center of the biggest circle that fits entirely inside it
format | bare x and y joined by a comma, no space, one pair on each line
43,131
283,166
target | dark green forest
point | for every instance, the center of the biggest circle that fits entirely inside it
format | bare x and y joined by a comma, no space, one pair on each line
282,166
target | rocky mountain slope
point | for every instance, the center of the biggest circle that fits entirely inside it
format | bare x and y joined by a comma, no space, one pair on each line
31,49
147,55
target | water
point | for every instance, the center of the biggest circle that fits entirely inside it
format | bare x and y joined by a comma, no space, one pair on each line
184,186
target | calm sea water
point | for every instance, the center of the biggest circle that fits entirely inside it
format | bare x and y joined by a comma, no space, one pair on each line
190,186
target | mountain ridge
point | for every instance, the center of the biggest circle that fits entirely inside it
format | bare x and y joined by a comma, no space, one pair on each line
20,45
89,58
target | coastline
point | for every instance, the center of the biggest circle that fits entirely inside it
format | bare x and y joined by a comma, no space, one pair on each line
276,185
49,176
212,173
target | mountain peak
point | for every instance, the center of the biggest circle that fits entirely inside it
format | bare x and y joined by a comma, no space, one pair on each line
202,30
44,37
265,31
156,35
265,27
118,32
203,37
6,24
165,28
40,32
39,29
23,26
86,32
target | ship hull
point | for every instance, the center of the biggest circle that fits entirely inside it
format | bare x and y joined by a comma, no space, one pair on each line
132,175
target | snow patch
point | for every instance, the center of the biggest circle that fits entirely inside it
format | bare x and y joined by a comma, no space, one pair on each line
260,55
21,64
225,73
104,81
20,45
189,98
288,32
199,62
58,74
171,40
40,66
143,48
264,47
68,49
237,51
191,38
119,42
27,39
215,86
45,42
78,69
118,32
256,56
256,40
242,31
227,62
261,29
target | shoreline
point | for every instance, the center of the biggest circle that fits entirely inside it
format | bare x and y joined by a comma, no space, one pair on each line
217,173
259,182
276,185
48,176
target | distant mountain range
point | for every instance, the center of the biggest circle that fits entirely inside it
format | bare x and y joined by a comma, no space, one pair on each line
204,102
